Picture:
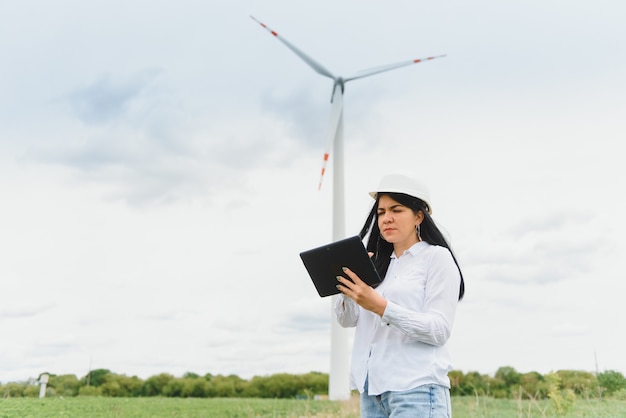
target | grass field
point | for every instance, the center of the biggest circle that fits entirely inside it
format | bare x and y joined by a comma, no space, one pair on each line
485,407
102,407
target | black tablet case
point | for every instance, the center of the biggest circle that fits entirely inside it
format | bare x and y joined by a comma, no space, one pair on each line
324,264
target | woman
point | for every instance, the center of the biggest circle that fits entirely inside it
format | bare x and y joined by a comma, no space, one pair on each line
399,360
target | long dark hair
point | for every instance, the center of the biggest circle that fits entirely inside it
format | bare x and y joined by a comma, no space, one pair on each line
382,249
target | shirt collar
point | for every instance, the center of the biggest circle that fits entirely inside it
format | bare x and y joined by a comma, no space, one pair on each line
413,249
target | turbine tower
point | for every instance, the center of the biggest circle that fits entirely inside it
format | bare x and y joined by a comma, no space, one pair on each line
338,387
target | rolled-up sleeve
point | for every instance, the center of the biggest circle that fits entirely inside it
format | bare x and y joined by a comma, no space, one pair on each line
433,323
346,311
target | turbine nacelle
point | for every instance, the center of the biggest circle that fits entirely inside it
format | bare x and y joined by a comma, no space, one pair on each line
338,82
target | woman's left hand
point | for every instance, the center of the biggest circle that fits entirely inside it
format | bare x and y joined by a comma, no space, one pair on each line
361,292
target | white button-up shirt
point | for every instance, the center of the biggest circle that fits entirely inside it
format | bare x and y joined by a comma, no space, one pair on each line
405,348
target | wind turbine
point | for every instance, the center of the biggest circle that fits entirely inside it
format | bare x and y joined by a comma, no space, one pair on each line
338,388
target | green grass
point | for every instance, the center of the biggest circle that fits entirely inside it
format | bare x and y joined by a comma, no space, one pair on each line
102,407
486,407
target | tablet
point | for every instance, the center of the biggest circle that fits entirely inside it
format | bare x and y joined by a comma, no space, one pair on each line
324,264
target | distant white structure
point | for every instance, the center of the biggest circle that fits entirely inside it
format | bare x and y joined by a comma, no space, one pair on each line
339,387
43,382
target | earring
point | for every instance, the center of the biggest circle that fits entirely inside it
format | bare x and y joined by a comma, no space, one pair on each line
417,229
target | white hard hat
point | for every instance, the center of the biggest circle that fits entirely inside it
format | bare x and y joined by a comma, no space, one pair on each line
402,183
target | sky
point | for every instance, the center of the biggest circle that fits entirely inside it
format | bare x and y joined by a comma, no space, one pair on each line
159,164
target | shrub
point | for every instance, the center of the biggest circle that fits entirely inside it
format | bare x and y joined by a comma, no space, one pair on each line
89,391
611,381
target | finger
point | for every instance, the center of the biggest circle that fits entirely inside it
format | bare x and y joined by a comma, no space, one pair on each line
352,275
345,283
342,288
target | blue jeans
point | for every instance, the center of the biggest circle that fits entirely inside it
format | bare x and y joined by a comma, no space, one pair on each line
427,401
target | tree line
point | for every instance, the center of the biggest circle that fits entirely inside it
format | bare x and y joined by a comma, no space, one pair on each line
103,382
509,383
506,383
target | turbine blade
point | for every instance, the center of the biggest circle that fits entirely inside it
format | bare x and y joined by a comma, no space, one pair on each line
335,116
377,70
319,68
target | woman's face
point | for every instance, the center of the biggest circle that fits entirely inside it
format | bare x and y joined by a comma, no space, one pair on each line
397,223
